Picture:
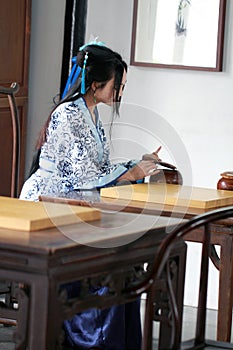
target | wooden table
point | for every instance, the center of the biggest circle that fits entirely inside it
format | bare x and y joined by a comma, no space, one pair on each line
43,261
222,235
186,202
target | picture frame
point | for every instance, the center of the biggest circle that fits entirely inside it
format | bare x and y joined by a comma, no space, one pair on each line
178,34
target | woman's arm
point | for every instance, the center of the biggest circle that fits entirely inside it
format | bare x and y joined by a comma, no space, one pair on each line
139,171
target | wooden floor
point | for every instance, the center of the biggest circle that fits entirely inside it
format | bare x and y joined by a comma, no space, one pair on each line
6,333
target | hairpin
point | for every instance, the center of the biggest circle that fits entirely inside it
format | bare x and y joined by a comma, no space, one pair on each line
83,85
93,42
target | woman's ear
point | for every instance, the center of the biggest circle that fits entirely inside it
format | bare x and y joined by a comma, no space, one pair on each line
95,85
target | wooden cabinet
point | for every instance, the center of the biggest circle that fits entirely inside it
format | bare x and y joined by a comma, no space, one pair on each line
14,66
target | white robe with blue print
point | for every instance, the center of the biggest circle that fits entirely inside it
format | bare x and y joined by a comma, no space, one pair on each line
75,155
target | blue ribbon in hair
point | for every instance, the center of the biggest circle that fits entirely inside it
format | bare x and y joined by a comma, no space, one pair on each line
94,42
75,71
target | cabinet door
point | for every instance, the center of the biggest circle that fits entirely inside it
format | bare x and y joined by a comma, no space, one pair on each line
14,43
14,66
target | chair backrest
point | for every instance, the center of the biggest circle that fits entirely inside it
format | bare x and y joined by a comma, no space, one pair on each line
161,258
10,93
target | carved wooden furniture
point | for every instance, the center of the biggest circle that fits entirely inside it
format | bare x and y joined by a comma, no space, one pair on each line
221,235
15,147
13,152
14,66
204,223
185,201
46,260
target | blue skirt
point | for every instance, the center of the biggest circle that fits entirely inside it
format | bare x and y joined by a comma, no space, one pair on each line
115,328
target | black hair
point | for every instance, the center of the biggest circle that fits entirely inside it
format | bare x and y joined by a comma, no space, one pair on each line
102,64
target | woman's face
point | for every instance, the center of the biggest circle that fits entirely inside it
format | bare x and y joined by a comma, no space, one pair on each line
106,94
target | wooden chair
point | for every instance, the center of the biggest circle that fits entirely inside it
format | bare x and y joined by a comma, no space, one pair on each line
148,285
7,290
10,93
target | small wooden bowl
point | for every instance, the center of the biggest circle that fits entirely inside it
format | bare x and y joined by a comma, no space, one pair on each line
226,181
168,176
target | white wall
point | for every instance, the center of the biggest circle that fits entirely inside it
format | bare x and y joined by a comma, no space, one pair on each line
47,21
196,106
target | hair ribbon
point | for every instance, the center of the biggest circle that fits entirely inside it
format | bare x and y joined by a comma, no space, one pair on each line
94,42
75,71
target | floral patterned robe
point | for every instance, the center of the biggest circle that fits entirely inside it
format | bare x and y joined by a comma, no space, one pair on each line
76,156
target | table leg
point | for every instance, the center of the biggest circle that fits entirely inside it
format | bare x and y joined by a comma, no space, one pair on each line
36,328
45,321
38,313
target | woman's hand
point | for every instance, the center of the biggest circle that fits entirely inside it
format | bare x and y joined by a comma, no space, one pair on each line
152,156
139,171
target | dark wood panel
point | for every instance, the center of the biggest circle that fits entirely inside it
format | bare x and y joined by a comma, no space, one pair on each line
15,19
14,43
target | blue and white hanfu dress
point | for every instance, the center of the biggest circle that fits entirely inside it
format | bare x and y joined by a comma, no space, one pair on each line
76,156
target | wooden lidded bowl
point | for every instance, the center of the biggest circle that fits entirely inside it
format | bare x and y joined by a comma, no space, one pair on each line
226,181
169,176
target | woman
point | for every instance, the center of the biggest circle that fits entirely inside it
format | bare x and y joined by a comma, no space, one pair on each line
73,153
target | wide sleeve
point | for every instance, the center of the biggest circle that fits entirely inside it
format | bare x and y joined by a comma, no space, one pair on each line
109,172
74,156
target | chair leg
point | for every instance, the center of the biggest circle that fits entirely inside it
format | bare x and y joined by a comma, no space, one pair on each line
147,339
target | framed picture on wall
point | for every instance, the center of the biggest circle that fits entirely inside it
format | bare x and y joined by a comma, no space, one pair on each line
182,34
